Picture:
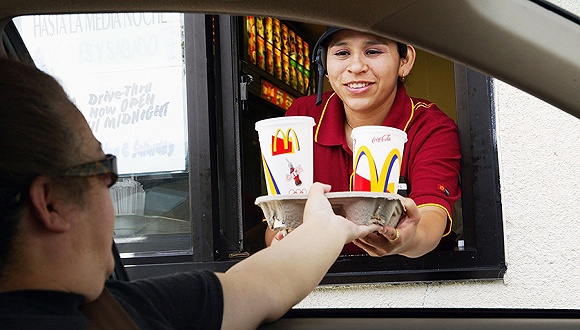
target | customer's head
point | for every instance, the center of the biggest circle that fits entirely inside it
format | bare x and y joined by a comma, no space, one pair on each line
42,134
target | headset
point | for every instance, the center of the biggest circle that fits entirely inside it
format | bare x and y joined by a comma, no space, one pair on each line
320,58
320,49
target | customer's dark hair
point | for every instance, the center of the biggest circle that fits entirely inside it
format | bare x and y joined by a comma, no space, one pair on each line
38,135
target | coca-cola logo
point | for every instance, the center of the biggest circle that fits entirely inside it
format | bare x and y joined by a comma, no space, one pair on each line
383,138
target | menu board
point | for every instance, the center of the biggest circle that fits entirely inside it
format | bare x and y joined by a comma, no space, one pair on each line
275,95
278,50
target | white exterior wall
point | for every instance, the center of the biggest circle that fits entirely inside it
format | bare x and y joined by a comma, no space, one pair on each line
539,160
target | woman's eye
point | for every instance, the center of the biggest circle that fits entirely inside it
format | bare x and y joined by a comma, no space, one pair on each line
373,52
341,53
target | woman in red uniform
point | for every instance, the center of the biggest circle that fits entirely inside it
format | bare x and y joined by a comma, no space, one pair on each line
366,73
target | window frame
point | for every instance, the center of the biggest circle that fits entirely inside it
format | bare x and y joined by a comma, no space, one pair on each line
483,256
215,175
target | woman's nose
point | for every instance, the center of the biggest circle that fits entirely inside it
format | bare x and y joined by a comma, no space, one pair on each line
358,63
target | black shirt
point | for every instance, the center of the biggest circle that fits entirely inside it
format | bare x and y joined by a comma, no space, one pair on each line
182,301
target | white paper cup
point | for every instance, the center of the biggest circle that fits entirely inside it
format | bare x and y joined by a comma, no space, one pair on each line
377,156
286,145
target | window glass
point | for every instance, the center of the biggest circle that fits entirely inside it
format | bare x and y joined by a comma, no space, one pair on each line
126,73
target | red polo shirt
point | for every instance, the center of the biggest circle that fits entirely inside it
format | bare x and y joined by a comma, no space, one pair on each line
431,157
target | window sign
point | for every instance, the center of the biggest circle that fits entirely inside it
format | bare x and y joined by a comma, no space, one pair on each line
125,72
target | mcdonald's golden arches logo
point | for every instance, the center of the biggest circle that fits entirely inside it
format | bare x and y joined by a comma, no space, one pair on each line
376,182
285,142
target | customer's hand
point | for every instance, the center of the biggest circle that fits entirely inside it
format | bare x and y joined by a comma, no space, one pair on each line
318,209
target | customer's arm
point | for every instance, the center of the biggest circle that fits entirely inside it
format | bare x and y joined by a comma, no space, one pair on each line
264,286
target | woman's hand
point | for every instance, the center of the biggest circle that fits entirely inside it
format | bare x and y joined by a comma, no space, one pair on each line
318,209
418,232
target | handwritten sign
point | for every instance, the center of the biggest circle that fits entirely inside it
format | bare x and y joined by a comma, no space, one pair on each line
126,74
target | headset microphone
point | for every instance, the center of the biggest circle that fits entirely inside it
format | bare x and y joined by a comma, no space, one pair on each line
321,69
320,50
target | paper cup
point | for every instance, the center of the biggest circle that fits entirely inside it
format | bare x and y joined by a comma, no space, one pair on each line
378,152
286,145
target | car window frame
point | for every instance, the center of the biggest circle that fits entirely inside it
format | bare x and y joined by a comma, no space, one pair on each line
217,242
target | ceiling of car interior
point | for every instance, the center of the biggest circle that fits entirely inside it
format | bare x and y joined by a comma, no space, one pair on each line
510,40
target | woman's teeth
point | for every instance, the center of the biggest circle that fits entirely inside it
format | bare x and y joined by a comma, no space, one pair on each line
357,85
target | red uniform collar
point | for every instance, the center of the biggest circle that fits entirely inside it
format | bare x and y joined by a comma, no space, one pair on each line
330,128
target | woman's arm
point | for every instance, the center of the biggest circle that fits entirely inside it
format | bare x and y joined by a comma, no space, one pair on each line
419,232
265,285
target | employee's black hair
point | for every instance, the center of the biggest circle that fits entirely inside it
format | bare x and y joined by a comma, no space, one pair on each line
319,58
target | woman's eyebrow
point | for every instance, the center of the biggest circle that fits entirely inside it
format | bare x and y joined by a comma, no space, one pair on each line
375,42
370,42
339,43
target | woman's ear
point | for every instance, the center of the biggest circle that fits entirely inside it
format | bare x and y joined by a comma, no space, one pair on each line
47,205
407,62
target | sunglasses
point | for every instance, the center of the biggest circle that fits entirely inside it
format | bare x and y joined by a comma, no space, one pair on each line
107,166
